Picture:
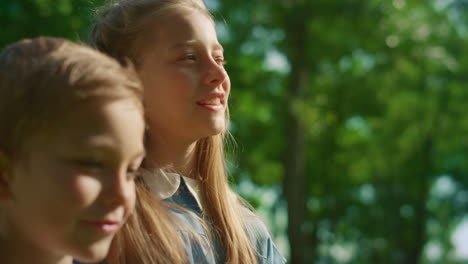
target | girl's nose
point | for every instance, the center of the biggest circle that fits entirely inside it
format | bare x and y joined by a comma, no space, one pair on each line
215,73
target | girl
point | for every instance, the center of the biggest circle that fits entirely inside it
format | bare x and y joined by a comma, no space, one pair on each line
174,45
71,141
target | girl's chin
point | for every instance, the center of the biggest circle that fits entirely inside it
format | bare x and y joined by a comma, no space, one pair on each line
216,130
211,132
94,253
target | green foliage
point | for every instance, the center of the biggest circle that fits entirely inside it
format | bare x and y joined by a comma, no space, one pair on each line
32,18
384,118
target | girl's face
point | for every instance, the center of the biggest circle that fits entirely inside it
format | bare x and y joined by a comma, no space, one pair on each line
186,85
74,188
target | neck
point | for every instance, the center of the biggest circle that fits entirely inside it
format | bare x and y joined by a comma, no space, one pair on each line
170,154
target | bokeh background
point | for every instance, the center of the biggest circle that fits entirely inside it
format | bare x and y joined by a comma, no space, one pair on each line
350,119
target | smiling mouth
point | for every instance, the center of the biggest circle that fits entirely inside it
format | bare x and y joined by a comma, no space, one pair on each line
105,226
213,103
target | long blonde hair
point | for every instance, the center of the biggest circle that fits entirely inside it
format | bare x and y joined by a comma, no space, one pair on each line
147,237
119,31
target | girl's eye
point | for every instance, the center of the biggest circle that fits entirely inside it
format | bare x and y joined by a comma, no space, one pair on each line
133,173
220,61
191,57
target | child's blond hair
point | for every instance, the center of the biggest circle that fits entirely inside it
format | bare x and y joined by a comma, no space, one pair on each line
44,78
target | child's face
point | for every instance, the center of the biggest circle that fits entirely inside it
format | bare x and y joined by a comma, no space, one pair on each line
186,85
74,188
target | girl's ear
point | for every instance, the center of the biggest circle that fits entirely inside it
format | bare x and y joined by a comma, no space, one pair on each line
5,193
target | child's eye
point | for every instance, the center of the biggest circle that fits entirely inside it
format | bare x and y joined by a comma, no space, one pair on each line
133,173
191,57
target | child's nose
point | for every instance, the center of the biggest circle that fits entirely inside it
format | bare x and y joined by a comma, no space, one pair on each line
119,189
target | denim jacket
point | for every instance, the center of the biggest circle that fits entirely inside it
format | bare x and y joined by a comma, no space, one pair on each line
183,192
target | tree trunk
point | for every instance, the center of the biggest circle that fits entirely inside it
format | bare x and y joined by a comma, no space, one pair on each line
421,210
294,180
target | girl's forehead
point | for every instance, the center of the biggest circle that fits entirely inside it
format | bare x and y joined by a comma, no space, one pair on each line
178,28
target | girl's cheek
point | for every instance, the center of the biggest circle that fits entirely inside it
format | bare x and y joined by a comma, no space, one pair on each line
85,190
130,208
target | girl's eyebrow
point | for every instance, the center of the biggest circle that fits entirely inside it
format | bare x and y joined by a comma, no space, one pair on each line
104,153
218,47
140,154
193,44
185,44
105,144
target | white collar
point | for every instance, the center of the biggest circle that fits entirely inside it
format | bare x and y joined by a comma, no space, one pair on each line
165,184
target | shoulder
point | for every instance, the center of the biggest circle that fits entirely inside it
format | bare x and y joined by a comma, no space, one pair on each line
185,218
194,239
258,233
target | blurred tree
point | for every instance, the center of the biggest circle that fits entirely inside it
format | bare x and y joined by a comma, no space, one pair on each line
367,119
32,18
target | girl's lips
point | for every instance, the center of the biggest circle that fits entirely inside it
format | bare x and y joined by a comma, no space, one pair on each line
105,226
212,107
212,97
213,102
